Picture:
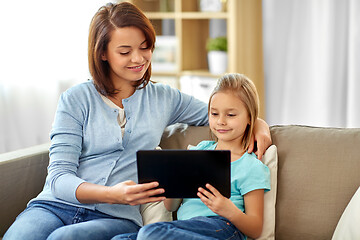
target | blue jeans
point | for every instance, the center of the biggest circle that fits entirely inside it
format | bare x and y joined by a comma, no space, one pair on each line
198,228
50,220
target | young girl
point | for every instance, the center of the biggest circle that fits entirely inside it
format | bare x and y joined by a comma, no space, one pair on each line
233,109
91,191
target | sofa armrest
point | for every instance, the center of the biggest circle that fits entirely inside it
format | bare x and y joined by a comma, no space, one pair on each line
22,177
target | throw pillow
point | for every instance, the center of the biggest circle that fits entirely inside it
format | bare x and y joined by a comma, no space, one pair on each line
270,159
155,212
348,225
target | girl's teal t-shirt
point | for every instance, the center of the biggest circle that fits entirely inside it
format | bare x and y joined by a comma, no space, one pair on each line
247,174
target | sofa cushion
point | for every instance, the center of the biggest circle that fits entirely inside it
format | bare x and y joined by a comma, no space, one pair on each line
318,172
348,226
179,136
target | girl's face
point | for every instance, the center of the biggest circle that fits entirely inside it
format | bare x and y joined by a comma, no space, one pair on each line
128,55
228,117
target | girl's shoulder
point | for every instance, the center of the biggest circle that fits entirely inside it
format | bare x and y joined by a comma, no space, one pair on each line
249,161
247,158
205,145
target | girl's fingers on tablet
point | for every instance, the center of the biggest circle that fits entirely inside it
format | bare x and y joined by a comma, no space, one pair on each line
204,199
213,190
205,193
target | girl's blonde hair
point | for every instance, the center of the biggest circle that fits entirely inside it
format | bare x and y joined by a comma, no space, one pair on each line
245,89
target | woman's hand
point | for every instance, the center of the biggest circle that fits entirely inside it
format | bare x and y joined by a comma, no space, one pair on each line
130,193
127,192
261,136
216,202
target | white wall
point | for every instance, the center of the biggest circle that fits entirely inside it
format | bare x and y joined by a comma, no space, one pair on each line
43,51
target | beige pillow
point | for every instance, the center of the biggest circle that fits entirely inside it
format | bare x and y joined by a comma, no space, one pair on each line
155,212
270,159
348,226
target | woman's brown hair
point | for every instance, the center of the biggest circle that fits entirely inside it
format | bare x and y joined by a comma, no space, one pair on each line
105,21
245,89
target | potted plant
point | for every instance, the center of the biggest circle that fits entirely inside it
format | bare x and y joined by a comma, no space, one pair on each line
217,55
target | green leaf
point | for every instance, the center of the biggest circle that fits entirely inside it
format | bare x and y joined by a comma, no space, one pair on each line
216,44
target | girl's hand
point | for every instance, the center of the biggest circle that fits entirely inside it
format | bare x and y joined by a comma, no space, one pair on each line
130,193
216,202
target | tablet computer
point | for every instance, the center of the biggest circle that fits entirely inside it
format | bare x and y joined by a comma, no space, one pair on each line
182,172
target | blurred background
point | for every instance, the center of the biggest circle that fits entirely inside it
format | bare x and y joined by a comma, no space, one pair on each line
308,71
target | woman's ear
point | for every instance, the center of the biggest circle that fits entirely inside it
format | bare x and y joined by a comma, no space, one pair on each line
103,57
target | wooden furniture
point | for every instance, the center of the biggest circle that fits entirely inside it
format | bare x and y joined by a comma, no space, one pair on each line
244,34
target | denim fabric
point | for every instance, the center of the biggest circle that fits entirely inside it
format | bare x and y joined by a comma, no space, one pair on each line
126,236
198,228
51,220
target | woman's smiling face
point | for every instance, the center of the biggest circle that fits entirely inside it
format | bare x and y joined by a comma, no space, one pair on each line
128,55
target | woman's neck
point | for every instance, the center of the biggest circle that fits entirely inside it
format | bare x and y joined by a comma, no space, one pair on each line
123,93
236,148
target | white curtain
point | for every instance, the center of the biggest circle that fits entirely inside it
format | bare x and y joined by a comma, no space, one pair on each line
43,51
312,62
